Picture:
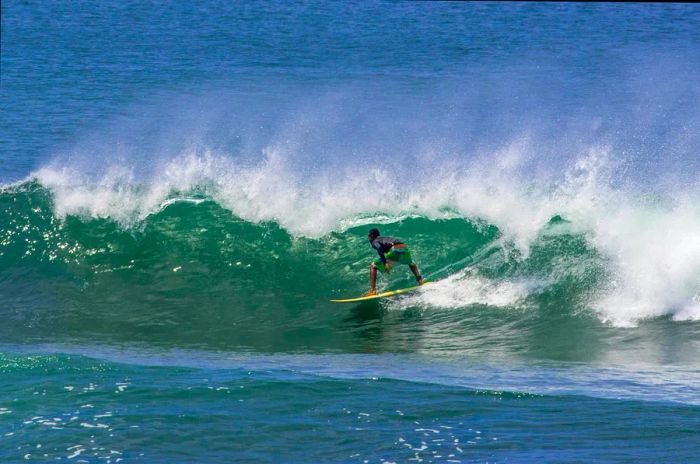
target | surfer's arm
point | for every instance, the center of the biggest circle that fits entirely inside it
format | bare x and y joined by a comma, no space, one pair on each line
382,258
378,248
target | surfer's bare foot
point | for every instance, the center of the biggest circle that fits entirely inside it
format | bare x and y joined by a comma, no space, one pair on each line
370,293
420,280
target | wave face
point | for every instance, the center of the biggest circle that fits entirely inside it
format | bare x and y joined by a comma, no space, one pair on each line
224,256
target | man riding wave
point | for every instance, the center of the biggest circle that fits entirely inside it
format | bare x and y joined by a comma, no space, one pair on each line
391,251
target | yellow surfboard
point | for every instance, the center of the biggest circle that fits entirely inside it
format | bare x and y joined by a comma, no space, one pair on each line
381,295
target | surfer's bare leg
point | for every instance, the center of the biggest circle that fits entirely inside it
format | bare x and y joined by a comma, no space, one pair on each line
416,272
372,279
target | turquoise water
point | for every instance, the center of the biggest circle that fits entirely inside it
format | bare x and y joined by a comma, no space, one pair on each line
184,187
82,408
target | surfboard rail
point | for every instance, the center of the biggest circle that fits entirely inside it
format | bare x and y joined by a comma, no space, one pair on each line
381,295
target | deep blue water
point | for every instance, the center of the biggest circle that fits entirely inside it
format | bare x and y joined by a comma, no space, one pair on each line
184,185
69,69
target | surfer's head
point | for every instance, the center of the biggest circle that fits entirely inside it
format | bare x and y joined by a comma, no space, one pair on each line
372,234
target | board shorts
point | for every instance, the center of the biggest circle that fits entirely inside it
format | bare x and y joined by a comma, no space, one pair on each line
393,256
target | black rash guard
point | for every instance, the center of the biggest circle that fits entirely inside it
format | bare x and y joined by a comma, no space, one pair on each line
384,244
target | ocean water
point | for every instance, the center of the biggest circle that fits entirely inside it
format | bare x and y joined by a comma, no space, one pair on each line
184,186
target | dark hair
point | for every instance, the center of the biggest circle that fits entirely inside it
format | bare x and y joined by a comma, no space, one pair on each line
374,233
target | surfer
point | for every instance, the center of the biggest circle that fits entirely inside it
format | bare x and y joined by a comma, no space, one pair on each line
391,251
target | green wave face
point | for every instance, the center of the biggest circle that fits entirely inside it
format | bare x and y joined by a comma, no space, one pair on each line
194,275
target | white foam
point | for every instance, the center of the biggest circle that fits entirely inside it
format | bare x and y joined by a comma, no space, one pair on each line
656,257
311,205
690,312
464,289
